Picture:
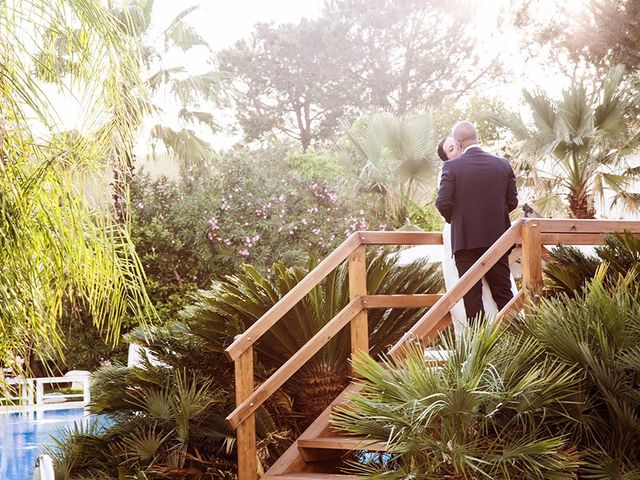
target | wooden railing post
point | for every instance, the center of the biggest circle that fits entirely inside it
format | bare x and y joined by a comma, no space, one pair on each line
531,262
246,432
358,287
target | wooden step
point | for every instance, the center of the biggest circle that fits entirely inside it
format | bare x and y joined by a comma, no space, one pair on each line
309,476
343,443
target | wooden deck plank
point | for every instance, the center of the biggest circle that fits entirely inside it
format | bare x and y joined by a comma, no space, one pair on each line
343,443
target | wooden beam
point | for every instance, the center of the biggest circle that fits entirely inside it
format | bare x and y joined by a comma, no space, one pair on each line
297,293
585,226
246,432
341,442
432,320
531,262
400,301
358,288
401,238
291,366
571,238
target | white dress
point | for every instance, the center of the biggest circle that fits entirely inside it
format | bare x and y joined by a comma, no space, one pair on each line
451,277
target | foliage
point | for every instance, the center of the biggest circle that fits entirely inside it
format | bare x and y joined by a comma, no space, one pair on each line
233,305
299,80
425,217
184,134
577,146
394,158
254,209
476,417
167,414
553,395
604,32
84,347
288,79
569,269
53,244
599,334
167,425
476,110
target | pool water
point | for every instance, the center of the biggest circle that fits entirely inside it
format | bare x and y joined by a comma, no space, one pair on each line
22,436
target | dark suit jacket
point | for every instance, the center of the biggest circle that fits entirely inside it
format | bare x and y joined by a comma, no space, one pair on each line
477,192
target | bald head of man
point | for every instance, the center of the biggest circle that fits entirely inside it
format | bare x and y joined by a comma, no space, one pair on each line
465,134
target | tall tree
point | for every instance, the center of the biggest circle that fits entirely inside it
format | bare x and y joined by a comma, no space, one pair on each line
288,80
52,243
603,33
578,146
298,80
410,54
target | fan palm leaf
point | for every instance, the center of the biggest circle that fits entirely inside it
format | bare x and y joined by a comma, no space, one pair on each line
583,139
393,157
473,418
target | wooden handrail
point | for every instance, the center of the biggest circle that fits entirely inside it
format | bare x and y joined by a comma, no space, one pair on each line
297,293
291,366
401,301
401,238
425,325
538,232
548,225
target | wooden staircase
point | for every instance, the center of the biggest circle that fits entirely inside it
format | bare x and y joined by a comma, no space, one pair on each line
317,453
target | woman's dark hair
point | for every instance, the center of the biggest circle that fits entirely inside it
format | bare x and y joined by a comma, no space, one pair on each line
441,153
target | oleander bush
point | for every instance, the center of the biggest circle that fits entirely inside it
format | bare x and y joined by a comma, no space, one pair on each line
254,207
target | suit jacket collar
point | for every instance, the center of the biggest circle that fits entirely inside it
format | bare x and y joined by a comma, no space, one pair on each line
473,145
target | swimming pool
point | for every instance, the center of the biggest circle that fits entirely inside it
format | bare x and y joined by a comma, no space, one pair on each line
22,436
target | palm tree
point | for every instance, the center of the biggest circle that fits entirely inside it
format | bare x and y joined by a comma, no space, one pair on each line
552,396
578,146
394,158
166,415
478,416
195,94
53,244
185,145
169,425
597,335
236,303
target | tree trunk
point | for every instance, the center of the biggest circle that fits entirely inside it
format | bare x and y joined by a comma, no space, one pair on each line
582,205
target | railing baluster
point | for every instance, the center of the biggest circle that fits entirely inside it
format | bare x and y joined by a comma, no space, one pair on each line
246,432
531,263
358,287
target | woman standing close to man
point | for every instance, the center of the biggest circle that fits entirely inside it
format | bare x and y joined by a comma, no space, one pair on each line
477,193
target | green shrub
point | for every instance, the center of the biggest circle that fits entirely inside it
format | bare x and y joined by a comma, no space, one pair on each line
253,208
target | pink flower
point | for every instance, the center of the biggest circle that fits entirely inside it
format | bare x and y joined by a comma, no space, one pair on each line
244,252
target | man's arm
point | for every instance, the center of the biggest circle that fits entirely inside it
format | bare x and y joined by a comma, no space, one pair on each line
444,202
512,191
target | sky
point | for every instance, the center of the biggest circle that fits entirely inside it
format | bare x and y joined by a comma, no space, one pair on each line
223,22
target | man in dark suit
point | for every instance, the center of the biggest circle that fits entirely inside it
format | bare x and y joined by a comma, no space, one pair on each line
477,193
